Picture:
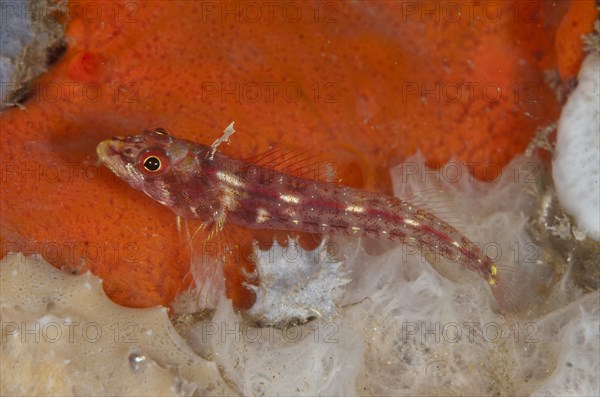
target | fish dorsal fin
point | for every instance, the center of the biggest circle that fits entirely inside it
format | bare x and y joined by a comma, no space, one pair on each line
296,162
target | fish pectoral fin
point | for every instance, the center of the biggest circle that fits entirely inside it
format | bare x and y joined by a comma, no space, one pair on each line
215,226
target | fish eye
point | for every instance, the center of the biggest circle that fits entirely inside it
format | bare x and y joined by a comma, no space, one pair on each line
161,131
153,162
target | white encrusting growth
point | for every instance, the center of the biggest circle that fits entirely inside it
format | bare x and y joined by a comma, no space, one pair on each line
84,344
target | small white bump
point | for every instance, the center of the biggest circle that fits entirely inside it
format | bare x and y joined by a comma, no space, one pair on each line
355,208
262,215
289,198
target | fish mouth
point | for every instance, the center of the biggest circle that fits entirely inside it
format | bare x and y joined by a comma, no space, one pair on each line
108,150
119,155
110,153
103,149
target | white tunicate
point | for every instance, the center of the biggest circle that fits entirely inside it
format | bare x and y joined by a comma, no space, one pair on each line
296,284
576,163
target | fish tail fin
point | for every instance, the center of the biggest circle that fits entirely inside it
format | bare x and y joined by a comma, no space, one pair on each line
517,289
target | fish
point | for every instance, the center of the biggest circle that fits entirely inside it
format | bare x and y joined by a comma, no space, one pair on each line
199,182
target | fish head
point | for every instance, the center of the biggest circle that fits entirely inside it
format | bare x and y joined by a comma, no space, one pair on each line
154,162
